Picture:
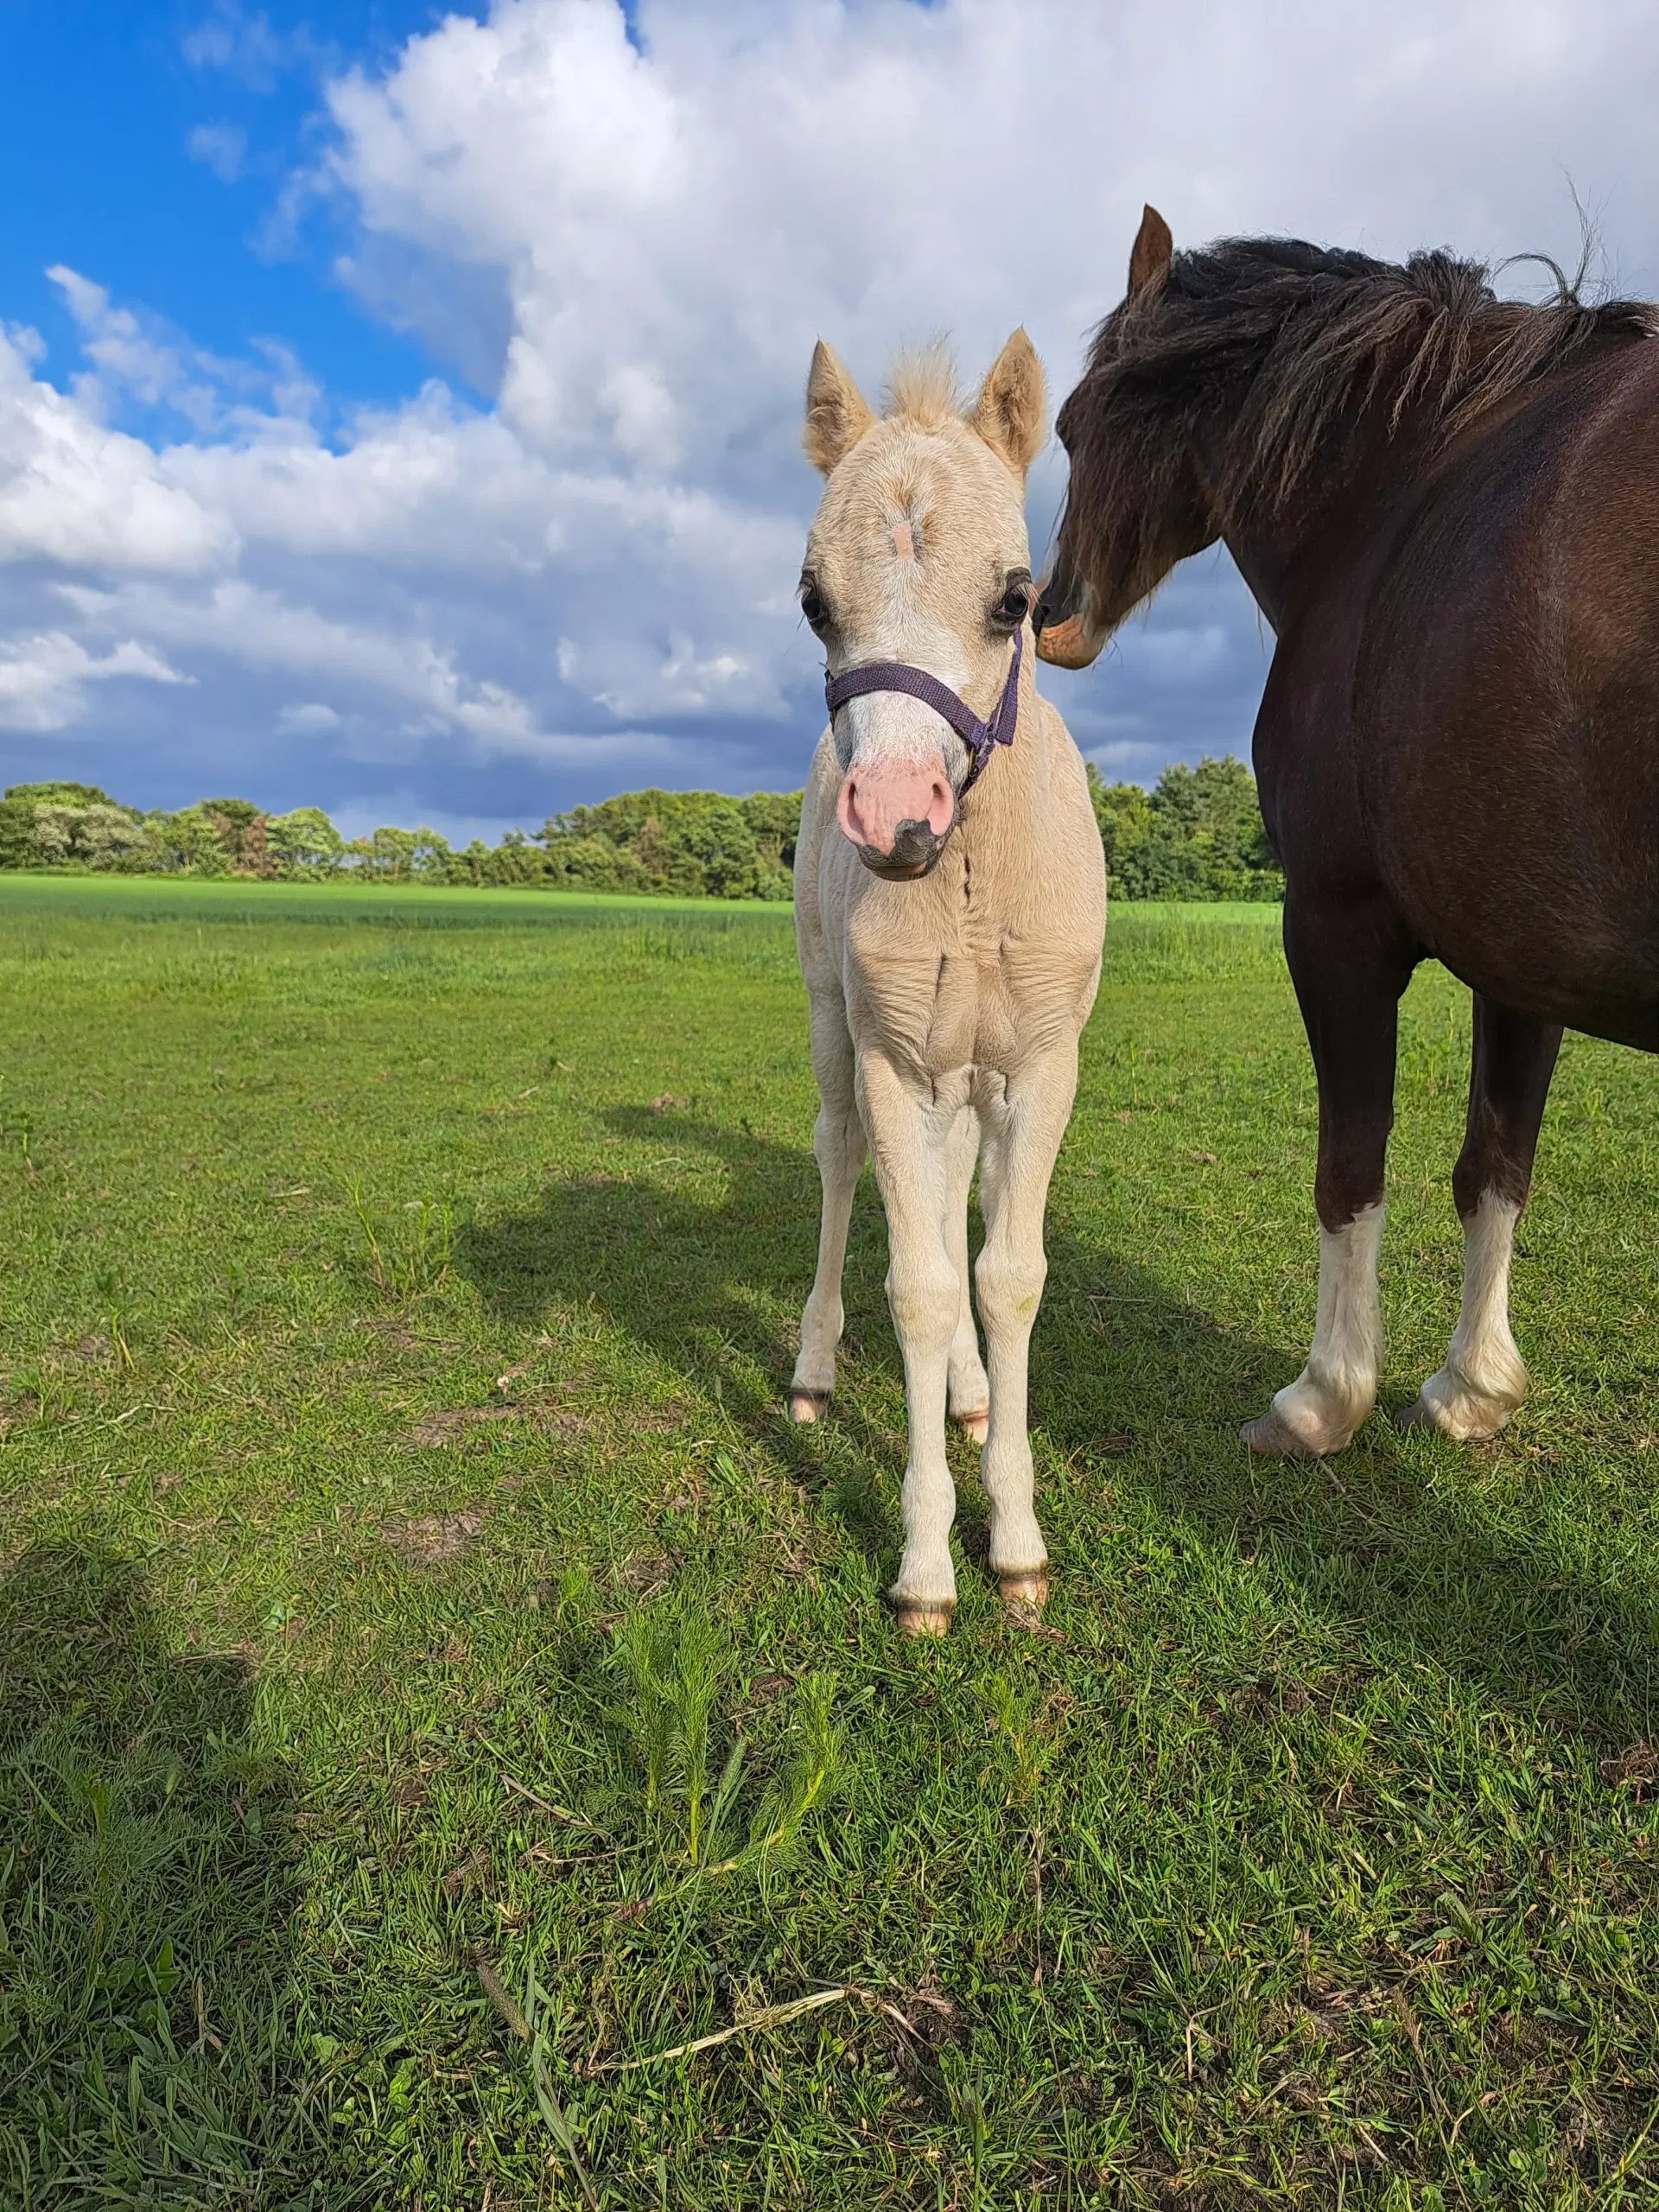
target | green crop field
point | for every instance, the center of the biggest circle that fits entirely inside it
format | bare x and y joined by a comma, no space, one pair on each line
437,1687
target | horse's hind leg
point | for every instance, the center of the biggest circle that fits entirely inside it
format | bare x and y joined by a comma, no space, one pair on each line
1483,1379
1350,960
969,1392
838,1143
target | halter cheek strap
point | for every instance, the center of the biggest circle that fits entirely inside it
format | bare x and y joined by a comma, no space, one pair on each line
978,736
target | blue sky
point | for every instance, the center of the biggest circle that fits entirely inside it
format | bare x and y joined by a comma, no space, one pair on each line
398,407
148,147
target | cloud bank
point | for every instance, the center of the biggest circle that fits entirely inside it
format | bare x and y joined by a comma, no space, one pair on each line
566,564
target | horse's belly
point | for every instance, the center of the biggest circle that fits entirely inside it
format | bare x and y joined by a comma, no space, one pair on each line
1532,877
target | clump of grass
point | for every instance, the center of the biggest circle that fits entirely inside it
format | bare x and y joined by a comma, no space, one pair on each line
674,1665
406,1260
107,1285
17,1127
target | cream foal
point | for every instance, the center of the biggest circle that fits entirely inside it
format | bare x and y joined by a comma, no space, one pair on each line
950,940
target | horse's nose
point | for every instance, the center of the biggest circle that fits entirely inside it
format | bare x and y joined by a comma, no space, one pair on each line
879,803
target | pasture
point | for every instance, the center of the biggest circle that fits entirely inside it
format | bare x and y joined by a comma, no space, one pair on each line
435,1681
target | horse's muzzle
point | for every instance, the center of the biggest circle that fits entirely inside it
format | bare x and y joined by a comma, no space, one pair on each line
1063,638
916,849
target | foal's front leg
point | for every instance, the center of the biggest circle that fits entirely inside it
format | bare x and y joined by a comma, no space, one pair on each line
969,1393
1023,1135
838,1144
909,1137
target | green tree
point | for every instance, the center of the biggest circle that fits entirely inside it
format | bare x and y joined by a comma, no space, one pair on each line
304,844
1198,834
687,842
103,835
18,809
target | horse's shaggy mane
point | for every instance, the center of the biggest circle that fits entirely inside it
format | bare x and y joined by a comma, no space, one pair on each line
921,388
1301,340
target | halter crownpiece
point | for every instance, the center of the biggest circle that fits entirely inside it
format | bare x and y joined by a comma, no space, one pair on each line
978,736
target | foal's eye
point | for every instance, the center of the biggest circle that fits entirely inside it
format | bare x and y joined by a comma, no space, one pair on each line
812,603
1014,605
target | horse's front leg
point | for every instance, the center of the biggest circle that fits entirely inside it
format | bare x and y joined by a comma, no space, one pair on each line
910,1139
1484,1379
1023,1133
1350,960
838,1143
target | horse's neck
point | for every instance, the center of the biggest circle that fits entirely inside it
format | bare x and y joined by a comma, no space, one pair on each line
1288,555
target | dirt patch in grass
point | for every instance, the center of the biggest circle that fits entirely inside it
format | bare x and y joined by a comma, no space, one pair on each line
447,1425
642,1574
1633,1768
432,1538
450,1424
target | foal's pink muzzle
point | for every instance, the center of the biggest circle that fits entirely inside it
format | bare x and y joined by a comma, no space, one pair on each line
898,813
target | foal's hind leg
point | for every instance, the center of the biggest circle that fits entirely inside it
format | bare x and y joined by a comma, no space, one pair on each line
969,1392
1350,962
838,1143
1483,1379
1023,1135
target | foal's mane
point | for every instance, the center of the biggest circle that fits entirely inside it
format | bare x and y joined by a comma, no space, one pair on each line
1305,338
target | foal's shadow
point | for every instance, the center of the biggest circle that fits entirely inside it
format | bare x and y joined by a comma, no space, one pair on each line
1128,1379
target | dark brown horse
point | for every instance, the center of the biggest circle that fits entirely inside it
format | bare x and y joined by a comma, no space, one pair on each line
1447,507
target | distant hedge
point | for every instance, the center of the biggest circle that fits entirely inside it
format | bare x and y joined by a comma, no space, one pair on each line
1196,835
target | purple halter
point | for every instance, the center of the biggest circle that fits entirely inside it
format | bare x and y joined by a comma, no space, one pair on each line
898,676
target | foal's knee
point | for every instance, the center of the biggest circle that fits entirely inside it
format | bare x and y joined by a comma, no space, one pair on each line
925,1298
1010,1288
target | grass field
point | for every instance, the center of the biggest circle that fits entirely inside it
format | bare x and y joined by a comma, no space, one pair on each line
433,1679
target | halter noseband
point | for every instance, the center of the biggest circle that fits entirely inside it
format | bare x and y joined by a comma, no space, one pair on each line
898,676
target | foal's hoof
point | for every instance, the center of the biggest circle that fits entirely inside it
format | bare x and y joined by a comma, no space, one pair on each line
807,1405
1023,1597
1471,1421
921,1620
976,1427
1273,1438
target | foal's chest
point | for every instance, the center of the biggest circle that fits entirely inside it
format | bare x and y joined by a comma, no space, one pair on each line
966,988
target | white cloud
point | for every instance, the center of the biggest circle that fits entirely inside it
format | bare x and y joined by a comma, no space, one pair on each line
221,146
43,679
75,493
245,47
630,248
307,718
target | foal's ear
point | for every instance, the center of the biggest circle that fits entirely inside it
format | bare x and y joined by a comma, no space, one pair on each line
836,417
1149,256
1008,412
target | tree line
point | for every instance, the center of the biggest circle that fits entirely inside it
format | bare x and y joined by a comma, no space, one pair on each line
1196,834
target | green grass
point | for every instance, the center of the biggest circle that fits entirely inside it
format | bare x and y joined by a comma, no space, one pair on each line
433,1676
